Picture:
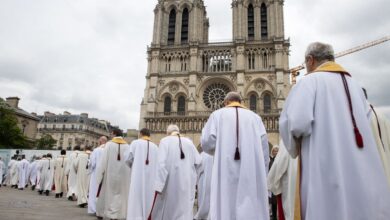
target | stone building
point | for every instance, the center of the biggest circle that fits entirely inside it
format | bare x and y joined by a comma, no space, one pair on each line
73,130
188,77
27,122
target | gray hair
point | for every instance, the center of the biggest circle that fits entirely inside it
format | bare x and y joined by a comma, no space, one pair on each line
233,97
172,128
320,51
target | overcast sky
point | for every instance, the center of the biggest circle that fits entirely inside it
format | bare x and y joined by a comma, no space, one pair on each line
90,55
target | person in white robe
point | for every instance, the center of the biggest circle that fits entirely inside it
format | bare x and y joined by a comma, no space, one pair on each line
93,185
204,186
23,171
141,157
115,175
2,169
238,140
282,179
72,176
47,175
13,172
381,130
39,172
33,173
178,161
60,179
82,171
325,121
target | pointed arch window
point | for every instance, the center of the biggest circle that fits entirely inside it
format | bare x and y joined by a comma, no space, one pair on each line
181,105
253,102
267,103
172,27
263,19
167,104
184,26
251,22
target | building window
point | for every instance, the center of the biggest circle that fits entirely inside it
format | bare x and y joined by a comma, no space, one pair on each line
167,104
253,103
251,61
251,22
214,95
172,27
267,103
184,26
181,105
263,17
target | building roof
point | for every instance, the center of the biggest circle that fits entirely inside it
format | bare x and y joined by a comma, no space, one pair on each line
19,111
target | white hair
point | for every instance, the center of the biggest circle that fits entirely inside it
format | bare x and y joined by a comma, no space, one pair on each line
233,97
320,51
172,128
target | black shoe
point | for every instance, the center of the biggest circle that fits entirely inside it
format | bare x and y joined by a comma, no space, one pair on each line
40,192
47,192
70,198
57,195
83,205
33,188
61,194
98,217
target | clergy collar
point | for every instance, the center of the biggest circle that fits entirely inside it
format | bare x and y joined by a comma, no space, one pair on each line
146,138
175,133
330,66
119,140
236,104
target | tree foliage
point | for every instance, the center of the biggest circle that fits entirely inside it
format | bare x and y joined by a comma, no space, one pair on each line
11,135
46,142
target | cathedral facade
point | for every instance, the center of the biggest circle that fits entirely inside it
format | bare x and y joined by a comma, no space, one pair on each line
188,77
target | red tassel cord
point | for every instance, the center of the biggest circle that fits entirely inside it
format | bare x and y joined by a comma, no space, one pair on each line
182,156
147,156
237,154
358,136
119,152
154,202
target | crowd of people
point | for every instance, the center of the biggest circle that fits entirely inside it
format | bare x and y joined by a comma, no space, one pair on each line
333,161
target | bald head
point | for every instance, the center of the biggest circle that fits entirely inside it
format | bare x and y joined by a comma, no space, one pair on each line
102,140
232,97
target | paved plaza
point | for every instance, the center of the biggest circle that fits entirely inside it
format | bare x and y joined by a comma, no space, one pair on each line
28,205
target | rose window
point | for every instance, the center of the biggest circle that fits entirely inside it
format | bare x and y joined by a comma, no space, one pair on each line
214,95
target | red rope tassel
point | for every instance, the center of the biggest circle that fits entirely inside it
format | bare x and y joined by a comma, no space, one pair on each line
147,157
237,154
154,202
119,152
359,138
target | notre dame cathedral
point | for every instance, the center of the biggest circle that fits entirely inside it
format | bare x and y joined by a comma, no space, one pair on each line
188,77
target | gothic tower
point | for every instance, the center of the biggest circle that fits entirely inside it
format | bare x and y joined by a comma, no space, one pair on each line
188,77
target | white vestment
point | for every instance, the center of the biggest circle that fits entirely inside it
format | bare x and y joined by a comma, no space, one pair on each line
204,186
141,193
282,180
39,173
383,144
72,176
2,168
23,171
32,169
339,180
93,185
60,179
81,167
175,179
47,174
238,187
116,180
13,172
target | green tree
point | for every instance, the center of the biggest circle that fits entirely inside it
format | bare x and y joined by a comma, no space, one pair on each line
10,134
46,142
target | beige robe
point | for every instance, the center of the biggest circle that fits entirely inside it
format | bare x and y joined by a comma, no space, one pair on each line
116,180
384,144
81,167
60,178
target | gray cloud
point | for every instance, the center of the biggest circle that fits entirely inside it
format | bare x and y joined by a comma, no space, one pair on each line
90,56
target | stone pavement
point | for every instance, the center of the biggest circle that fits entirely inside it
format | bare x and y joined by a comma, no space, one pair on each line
29,205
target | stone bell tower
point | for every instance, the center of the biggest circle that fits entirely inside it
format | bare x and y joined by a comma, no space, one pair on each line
188,77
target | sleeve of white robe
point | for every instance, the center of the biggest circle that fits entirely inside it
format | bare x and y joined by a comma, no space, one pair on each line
101,165
129,154
278,169
297,116
264,144
162,171
209,135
